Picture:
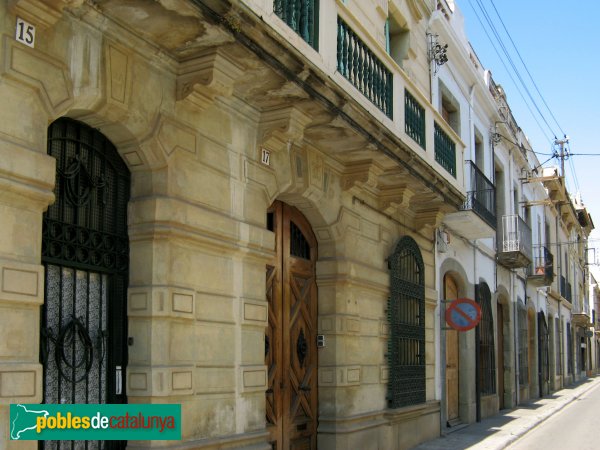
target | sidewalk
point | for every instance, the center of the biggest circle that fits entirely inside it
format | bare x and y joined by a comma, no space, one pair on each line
499,431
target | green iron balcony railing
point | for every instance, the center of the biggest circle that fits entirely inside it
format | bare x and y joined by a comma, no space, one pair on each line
414,119
363,69
302,16
445,150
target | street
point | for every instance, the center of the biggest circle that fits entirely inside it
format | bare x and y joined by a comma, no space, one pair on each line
572,427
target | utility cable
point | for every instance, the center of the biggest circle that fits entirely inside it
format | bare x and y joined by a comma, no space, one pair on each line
511,62
507,70
525,66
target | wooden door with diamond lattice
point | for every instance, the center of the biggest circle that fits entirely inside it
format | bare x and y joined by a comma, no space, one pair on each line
290,342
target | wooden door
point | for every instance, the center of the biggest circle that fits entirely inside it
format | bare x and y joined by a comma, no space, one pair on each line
452,392
291,335
500,339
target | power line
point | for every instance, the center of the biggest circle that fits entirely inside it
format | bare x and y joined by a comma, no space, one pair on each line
507,70
526,69
511,62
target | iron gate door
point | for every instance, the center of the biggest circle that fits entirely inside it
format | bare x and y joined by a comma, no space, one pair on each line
85,251
543,354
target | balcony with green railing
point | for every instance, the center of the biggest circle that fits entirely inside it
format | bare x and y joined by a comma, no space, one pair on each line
414,119
302,16
359,65
354,59
445,150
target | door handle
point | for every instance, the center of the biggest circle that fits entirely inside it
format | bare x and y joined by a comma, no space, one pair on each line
118,380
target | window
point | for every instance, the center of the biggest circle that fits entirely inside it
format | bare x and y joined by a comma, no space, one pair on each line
449,108
487,361
406,316
479,151
397,39
523,337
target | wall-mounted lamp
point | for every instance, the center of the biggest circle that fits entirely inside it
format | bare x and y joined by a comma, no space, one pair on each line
437,53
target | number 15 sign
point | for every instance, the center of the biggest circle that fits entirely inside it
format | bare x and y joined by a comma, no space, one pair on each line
25,33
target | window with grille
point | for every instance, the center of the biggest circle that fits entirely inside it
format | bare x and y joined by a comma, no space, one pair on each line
557,342
569,350
543,350
487,361
523,338
406,316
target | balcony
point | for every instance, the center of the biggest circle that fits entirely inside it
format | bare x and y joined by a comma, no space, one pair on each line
541,272
359,65
515,240
302,16
477,217
445,150
366,92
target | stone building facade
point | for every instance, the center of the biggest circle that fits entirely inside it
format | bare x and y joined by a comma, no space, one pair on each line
257,209
203,189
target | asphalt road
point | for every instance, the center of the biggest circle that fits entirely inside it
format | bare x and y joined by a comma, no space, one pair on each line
574,427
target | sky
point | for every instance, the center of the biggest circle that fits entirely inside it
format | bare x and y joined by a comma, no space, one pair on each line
557,41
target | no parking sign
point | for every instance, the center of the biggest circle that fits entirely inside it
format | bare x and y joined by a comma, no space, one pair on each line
463,314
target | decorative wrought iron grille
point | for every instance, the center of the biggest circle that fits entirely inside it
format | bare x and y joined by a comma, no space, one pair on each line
487,358
445,150
85,250
523,338
414,119
481,197
82,229
569,350
543,353
406,316
299,246
302,16
363,69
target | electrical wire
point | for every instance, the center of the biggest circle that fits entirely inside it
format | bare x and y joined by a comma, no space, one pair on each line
523,147
526,69
508,71
572,166
512,64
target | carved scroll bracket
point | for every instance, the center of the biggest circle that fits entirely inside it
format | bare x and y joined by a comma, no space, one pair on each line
203,78
282,127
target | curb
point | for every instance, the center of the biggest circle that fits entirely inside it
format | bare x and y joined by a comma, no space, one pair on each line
551,412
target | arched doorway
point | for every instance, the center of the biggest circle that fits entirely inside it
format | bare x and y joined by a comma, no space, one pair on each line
452,359
85,252
291,335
